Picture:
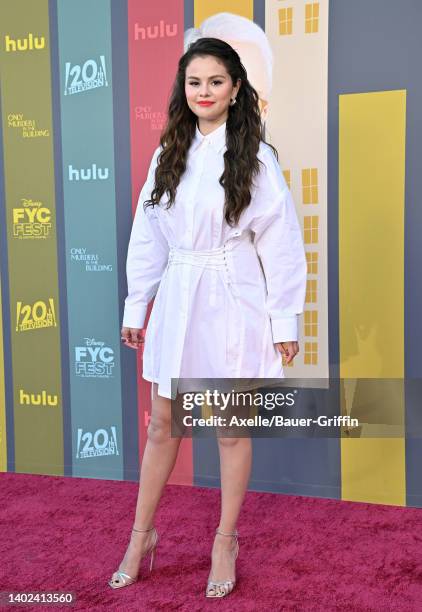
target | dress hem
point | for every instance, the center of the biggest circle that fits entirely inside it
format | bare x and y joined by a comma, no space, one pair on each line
151,380
250,387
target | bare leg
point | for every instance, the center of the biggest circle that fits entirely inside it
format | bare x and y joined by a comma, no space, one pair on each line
235,468
158,461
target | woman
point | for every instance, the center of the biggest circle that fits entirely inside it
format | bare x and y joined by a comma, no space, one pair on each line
223,256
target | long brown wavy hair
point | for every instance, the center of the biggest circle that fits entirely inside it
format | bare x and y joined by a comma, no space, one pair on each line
244,131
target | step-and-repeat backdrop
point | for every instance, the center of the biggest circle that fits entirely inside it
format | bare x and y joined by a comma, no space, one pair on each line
84,92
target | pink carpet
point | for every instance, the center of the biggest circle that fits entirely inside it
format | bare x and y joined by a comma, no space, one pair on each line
296,553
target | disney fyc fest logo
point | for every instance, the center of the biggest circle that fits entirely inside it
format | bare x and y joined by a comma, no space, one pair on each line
94,359
31,220
28,126
91,260
97,444
36,315
83,77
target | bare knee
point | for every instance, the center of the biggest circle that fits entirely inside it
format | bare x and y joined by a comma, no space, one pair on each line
227,442
159,427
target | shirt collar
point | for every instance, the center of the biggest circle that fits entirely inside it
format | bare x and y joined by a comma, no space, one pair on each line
216,138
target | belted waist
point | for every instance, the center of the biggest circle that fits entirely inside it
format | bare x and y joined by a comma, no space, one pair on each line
205,258
219,259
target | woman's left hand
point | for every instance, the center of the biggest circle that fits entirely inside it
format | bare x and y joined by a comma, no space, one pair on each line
288,349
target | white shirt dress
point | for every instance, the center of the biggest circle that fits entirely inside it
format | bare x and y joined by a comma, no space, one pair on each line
223,295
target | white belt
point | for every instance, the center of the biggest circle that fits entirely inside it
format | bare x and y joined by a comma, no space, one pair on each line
215,259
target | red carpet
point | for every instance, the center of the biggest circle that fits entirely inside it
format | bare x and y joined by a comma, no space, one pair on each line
296,553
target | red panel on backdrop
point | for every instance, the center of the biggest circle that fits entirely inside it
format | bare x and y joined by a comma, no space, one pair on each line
155,43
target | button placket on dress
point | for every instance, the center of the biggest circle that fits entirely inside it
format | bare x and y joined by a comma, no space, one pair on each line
186,269
236,323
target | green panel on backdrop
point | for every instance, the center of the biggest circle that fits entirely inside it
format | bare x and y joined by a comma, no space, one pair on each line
31,235
84,34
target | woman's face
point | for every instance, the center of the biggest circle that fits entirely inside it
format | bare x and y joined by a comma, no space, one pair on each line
207,80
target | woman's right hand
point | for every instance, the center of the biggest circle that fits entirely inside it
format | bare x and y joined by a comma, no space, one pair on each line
132,337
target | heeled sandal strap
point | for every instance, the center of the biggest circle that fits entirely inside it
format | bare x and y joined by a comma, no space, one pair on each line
142,530
235,533
124,577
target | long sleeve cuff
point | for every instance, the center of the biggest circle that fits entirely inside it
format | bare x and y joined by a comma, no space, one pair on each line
134,316
285,329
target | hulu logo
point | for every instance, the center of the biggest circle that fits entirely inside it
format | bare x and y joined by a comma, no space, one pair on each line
37,399
30,43
88,174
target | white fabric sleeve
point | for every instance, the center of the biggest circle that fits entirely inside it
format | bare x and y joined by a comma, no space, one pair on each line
279,244
147,256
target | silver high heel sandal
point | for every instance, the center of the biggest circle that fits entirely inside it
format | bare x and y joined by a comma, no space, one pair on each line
223,587
124,579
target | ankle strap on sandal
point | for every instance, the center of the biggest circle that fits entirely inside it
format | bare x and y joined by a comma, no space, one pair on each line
235,533
142,530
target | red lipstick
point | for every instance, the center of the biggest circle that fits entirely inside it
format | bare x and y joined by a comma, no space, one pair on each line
205,103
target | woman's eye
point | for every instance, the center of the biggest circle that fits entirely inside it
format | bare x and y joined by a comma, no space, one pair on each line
218,83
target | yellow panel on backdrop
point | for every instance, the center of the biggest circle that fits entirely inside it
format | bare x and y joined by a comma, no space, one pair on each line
372,131
206,8
373,470
3,443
